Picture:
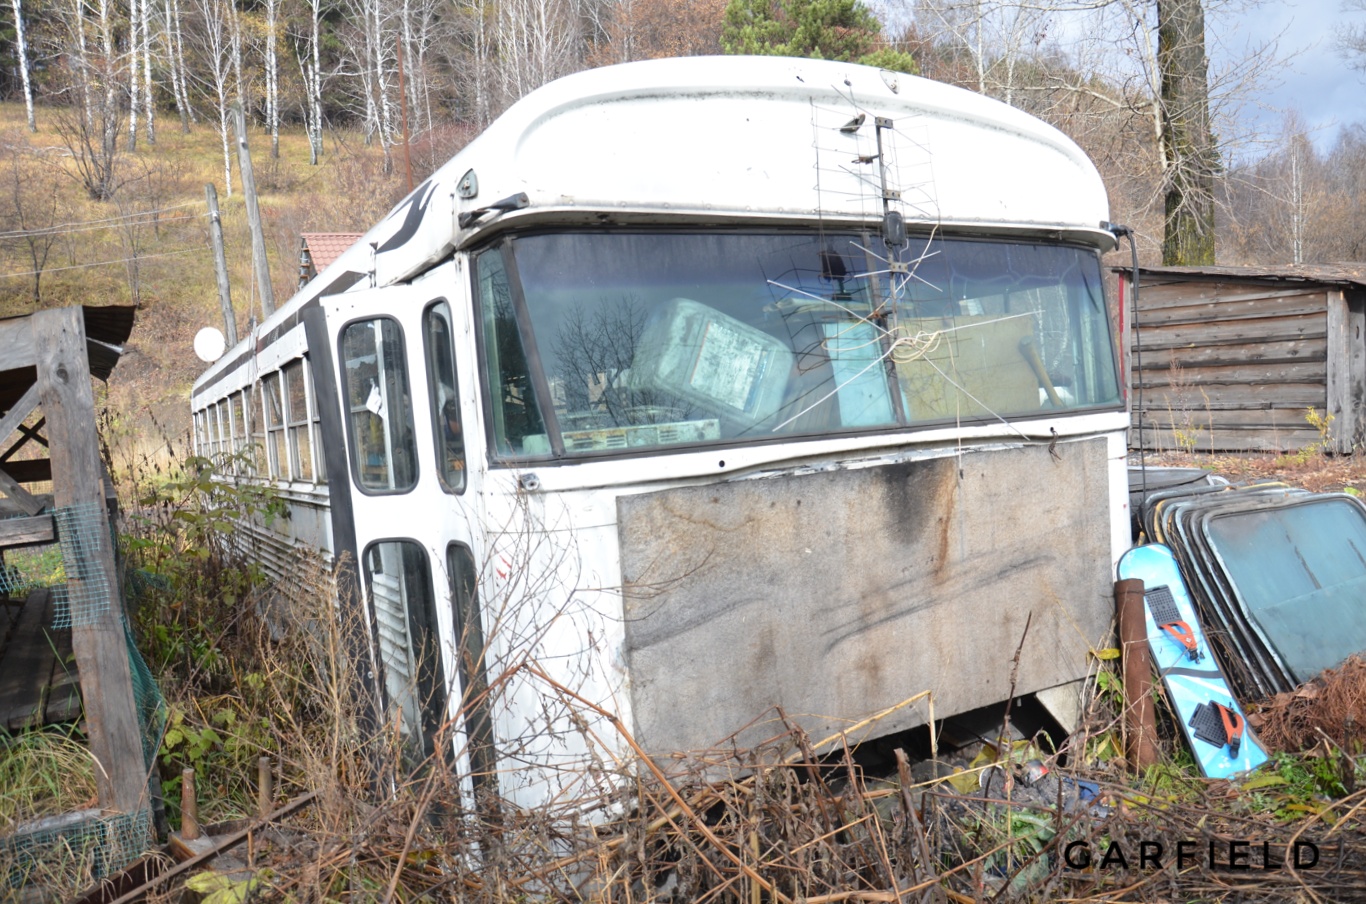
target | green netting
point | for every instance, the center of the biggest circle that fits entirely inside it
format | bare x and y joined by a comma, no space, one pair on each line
92,846
14,582
82,530
74,848
29,568
151,706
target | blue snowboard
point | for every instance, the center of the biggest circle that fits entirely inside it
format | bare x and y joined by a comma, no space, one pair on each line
1211,719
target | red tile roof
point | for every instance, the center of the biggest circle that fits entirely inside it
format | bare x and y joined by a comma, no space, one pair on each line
325,247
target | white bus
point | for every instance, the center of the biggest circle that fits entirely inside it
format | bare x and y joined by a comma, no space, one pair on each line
694,388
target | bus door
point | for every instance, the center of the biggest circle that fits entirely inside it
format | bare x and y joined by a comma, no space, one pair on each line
406,386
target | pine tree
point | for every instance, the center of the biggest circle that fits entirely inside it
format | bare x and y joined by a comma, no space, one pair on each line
845,30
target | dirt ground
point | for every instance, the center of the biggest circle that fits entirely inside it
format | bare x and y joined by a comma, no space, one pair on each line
1316,472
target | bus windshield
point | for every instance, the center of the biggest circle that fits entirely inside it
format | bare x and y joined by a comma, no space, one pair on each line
600,342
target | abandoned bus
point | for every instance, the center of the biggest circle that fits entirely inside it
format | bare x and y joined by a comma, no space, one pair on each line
694,388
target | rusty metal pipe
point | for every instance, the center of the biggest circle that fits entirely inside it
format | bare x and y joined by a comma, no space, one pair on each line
1140,727
189,806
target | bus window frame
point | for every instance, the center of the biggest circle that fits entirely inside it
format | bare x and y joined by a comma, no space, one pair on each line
348,422
438,433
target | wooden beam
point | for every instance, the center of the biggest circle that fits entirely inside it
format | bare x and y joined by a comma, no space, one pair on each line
98,635
18,412
27,666
1340,406
29,470
18,495
26,434
16,344
26,531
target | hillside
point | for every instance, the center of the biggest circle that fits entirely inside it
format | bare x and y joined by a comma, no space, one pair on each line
149,246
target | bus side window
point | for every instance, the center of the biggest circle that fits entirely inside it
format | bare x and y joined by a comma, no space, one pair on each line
472,668
241,431
260,460
404,610
449,434
276,455
297,420
379,407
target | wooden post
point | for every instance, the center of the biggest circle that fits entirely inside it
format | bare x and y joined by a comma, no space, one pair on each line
1140,727
264,792
258,237
189,807
220,265
97,638
1346,365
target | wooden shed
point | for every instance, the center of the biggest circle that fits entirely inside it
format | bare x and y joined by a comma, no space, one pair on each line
1232,359
55,490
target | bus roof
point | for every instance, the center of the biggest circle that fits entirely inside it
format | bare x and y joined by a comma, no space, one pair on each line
727,140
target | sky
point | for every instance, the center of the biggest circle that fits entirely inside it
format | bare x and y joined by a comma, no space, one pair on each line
1316,78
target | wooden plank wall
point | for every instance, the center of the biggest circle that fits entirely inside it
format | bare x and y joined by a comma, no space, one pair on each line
1228,367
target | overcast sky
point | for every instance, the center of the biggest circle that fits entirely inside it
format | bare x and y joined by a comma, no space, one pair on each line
1316,80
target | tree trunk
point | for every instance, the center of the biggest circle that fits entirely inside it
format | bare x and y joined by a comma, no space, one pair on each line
148,98
175,56
272,77
315,138
21,50
1188,144
134,41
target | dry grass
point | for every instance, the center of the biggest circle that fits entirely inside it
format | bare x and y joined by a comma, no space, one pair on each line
149,246
793,819
1319,473
43,773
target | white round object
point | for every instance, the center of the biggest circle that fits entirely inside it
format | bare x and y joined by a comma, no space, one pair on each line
209,344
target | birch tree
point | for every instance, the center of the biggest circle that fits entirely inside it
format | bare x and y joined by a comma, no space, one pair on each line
272,38
149,105
995,37
174,51
134,42
371,56
21,51
308,54
90,120
213,43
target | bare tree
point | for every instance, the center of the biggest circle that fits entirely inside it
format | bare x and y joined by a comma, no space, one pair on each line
371,53
91,114
1187,140
32,209
213,42
174,49
134,43
145,51
649,29
272,40
1133,85
995,36
21,51
1298,202
308,54
1352,37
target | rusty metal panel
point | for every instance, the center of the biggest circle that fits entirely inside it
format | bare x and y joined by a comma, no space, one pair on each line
838,594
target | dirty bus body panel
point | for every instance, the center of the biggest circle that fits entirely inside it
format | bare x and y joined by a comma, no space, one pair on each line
693,388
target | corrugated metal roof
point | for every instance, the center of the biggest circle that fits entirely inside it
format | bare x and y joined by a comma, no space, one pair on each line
325,247
1345,274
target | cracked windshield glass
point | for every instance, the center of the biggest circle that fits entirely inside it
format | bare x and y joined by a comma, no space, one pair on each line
596,342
